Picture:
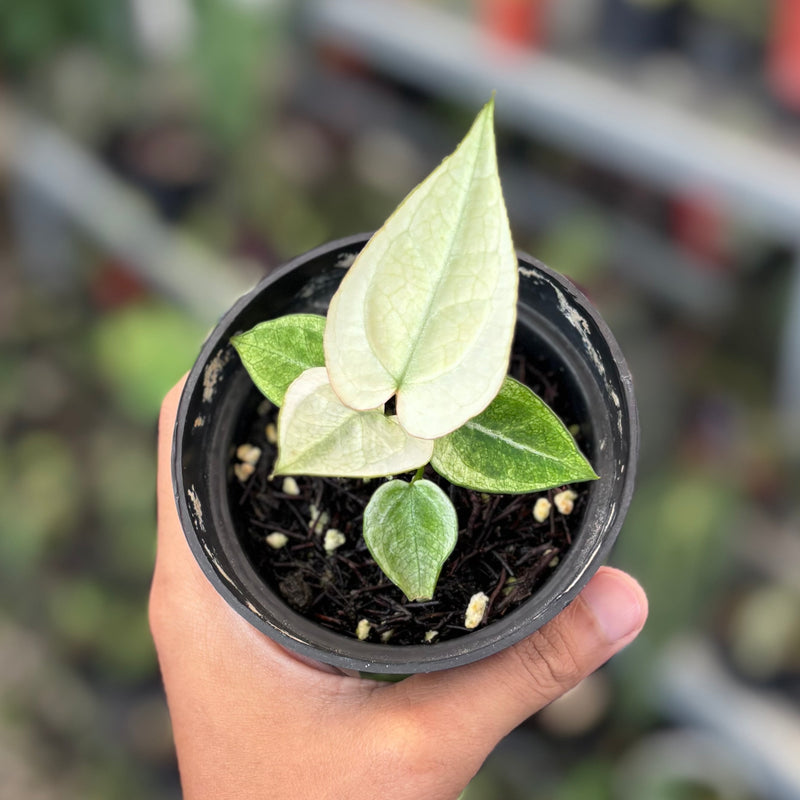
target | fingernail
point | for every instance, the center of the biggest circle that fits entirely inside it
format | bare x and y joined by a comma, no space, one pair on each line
617,604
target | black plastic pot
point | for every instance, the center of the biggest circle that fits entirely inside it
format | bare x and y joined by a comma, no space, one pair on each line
553,317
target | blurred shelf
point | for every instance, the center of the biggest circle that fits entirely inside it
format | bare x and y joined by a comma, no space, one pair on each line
772,547
761,730
77,186
352,106
584,111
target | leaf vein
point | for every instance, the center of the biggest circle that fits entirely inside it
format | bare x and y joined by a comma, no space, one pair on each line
510,442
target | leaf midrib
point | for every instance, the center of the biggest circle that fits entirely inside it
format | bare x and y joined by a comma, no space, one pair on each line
511,442
465,196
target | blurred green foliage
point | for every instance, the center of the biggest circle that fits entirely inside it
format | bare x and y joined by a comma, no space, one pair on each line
33,30
141,351
78,403
236,53
38,465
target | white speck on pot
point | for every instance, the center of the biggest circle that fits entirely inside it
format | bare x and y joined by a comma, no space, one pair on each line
565,501
248,453
541,509
362,629
430,636
197,508
271,432
475,610
290,486
276,540
333,539
243,471
213,372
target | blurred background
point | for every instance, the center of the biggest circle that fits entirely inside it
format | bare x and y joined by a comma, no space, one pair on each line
158,156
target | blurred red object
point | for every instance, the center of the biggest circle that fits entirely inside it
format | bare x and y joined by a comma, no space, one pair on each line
783,59
698,224
115,286
518,22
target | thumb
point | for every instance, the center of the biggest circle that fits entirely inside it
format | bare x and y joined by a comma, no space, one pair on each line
485,700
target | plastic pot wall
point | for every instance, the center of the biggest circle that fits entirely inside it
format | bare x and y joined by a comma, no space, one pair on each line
554,319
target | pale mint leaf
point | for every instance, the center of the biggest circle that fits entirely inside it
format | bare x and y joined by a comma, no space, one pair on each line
427,311
516,445
318,435
410,530
277,351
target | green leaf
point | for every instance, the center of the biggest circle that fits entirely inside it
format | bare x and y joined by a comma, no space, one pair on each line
277,351
516,445
318,435
410,530
427,311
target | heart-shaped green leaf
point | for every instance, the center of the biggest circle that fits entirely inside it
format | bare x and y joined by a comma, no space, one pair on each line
427,311
516,445
410,530
277,351
318,435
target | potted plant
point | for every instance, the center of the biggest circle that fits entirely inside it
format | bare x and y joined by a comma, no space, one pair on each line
395,415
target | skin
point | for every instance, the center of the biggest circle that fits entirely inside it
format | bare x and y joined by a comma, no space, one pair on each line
251,720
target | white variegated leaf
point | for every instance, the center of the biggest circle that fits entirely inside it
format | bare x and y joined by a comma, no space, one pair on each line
318,435
428,309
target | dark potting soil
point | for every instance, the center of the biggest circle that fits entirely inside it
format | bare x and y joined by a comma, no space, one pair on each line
502,550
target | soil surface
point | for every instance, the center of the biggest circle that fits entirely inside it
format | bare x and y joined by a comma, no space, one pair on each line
501,551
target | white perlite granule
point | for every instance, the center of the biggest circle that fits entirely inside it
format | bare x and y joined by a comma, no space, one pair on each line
475,610
319,520
363,628
290,487
243,471
333,539
541,509
565,501
248,453
276,540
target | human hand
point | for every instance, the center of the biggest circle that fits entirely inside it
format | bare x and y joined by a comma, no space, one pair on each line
251,720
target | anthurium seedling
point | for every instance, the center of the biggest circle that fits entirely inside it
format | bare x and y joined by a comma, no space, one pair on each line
425,317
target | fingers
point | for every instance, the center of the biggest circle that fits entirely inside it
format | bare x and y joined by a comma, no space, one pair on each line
485,700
